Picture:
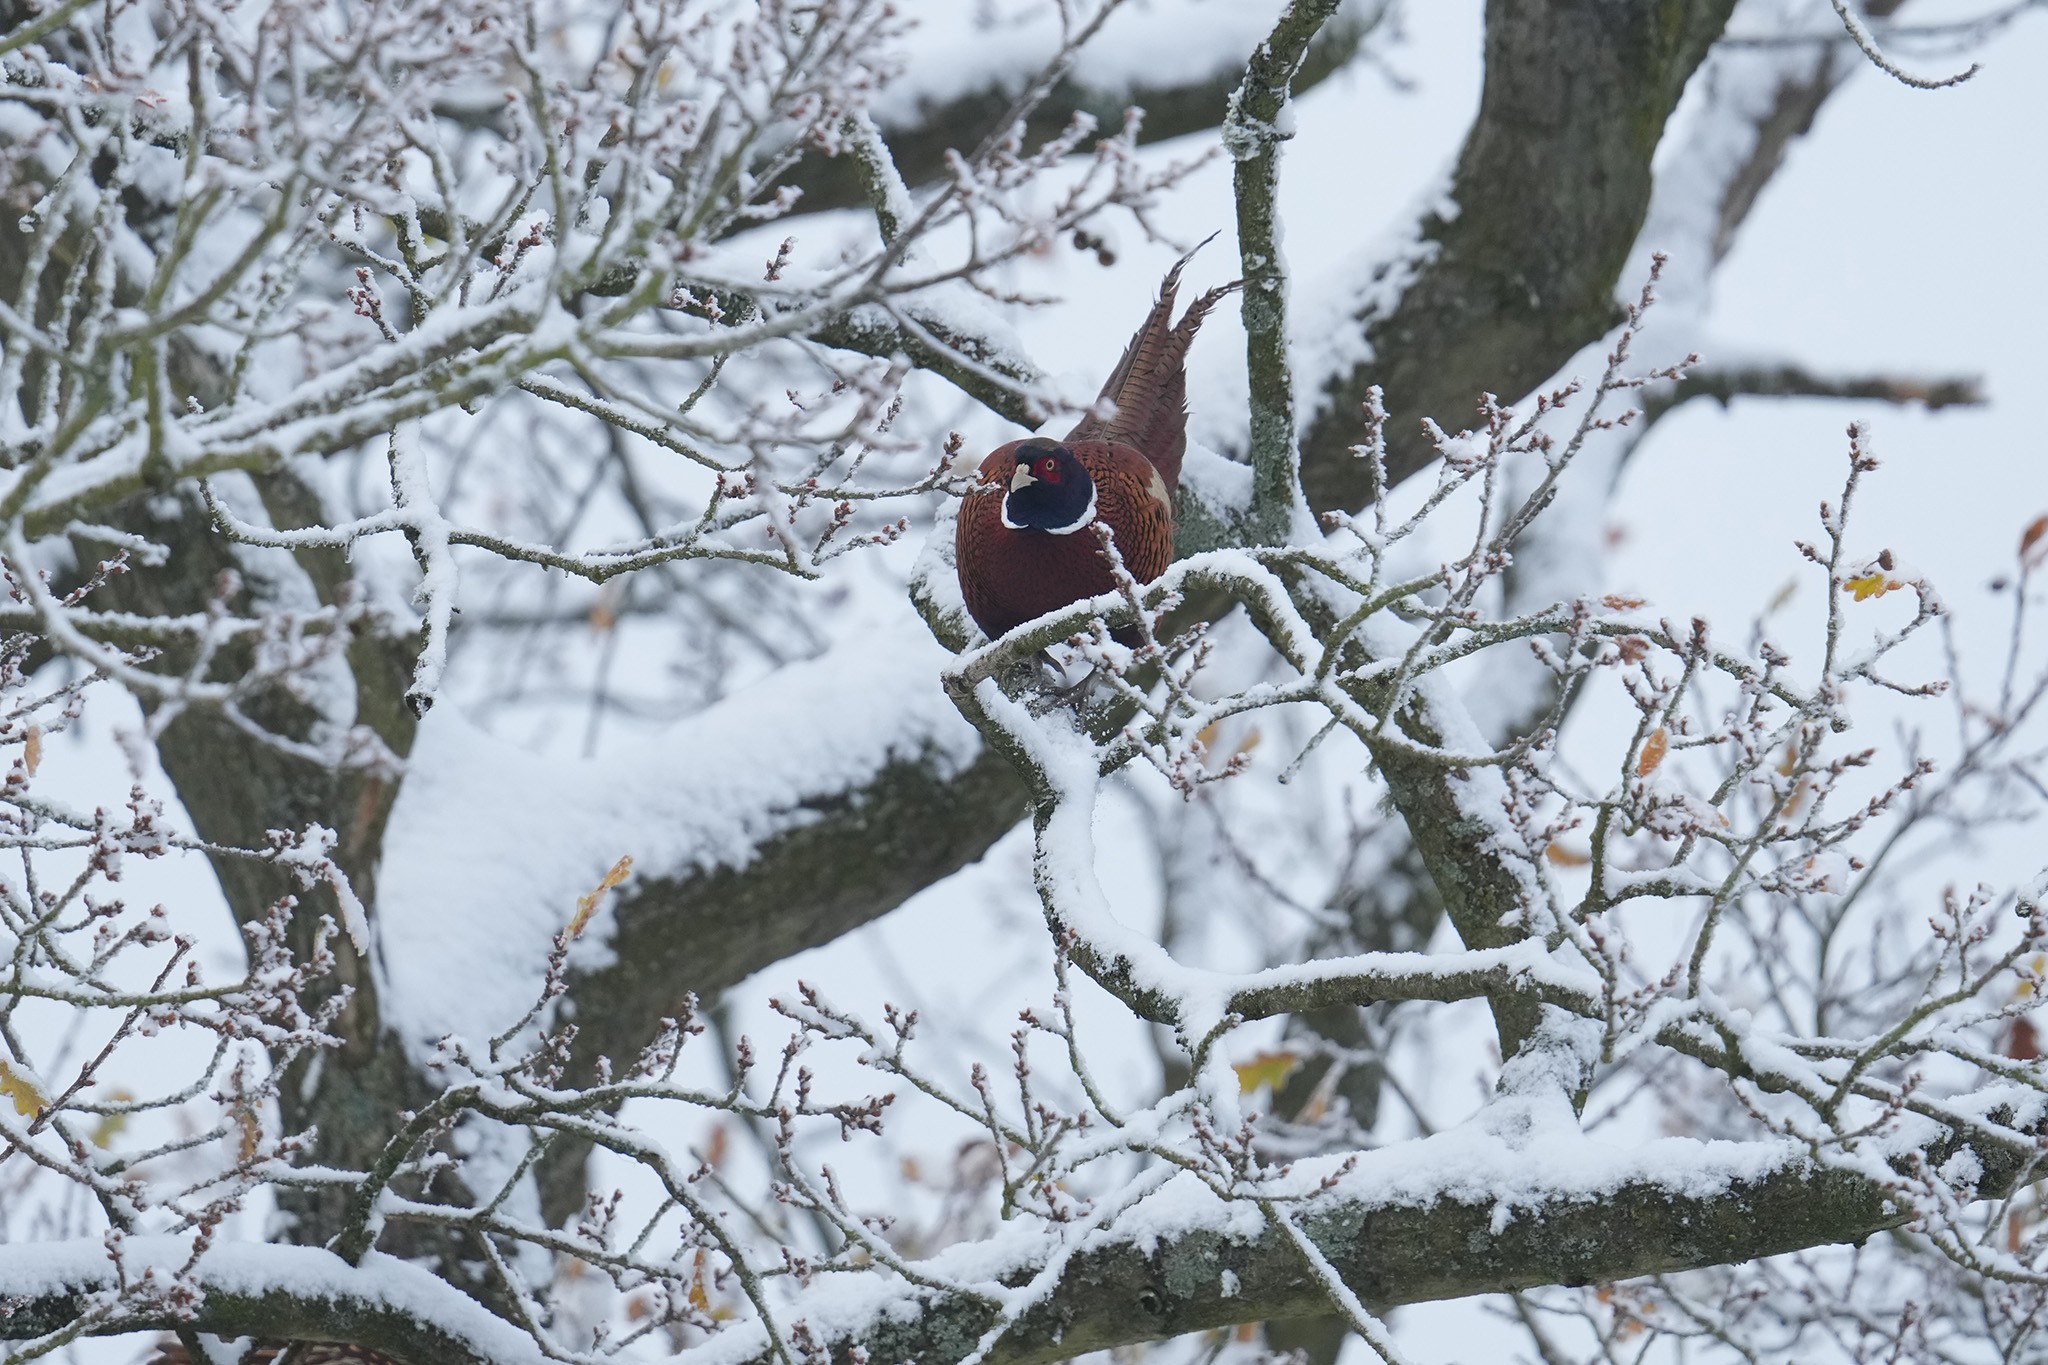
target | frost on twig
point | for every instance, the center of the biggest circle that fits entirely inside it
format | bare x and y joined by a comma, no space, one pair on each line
1860,35
92,974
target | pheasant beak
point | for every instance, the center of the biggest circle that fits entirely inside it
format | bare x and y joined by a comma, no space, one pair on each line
1022,477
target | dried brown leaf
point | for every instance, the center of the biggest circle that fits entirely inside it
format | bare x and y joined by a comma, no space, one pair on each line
2022,1041
1654,749
2034,542
587,903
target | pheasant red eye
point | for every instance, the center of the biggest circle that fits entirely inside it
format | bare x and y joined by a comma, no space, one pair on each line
1050,468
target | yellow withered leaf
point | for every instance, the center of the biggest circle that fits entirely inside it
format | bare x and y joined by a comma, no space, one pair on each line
1209,733
700,1293
1267,1069
32,749
1869,585
1654,749
1564,855
587,903
111,1126
21,1085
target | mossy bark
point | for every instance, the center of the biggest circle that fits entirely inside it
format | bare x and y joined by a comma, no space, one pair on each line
1394,1250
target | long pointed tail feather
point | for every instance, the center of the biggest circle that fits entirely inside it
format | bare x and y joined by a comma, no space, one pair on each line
1148,387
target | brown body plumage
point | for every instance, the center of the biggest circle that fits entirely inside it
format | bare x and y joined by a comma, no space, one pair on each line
1012,570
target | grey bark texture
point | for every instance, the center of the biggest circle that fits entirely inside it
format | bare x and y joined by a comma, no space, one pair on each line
1551,188
1391,1252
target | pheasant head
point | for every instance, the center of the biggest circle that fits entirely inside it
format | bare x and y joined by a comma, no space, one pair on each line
1050,490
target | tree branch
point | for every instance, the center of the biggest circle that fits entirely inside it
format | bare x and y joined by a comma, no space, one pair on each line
920,143
1253,134
1550,193
869,848
1394,1239
1790,380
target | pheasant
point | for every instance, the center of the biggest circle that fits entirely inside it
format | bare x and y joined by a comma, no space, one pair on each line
1023,546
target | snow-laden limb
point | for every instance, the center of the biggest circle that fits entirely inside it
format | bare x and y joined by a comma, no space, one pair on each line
1209,1235
1860,35
1521,1208
230,1291
1549,190
961,52
467,871
1750,99
965,66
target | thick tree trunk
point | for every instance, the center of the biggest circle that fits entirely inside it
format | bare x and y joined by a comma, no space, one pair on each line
1550,192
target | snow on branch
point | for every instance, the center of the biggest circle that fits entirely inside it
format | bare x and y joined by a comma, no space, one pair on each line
1551,1206
1253,131
1860,35
363,263
1725,384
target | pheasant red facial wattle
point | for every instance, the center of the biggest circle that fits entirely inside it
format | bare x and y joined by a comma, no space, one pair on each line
1025,544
